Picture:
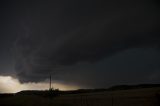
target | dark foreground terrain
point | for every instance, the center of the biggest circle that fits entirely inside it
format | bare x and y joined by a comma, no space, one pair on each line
131,97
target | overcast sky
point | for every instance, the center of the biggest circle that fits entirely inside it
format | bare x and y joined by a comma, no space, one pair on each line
86,43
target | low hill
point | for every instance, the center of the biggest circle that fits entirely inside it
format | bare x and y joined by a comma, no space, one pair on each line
79,91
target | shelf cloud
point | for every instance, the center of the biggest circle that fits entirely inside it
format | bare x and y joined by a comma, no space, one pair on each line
88,43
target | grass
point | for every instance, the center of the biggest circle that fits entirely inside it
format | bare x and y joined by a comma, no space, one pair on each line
135,97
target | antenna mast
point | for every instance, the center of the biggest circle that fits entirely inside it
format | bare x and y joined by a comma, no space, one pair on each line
50,82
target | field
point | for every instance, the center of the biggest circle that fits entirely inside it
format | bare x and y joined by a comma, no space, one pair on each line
135,97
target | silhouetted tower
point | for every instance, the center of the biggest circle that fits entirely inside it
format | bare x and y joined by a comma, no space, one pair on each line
50,82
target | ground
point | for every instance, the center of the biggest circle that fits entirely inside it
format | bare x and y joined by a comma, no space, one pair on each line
134,97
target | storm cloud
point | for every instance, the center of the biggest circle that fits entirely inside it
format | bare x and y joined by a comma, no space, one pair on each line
105,42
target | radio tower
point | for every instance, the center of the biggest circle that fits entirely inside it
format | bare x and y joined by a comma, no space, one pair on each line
50,82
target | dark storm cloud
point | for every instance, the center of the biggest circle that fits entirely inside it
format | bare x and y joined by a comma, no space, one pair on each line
70,39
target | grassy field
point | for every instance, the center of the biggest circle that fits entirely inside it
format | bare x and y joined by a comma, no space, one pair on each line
135,97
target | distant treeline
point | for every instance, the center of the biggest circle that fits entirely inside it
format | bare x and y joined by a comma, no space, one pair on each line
113,88
46,93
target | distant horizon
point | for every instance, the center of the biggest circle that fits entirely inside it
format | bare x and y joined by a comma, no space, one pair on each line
44,86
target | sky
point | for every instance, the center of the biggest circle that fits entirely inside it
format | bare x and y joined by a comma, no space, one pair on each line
81,43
